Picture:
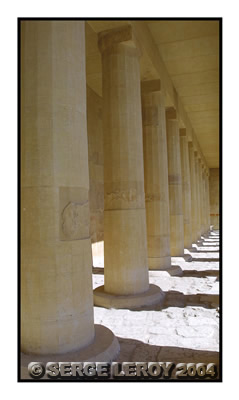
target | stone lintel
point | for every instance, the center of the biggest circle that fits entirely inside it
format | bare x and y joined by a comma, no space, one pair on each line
182,132
151,86
171,113
123,34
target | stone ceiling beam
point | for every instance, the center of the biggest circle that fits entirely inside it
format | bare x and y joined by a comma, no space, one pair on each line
148,46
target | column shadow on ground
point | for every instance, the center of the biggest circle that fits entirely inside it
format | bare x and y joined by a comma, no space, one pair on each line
200,274
200,259
176,270
203,251
174,298
210,245
183,273
132,350
136,351
98,271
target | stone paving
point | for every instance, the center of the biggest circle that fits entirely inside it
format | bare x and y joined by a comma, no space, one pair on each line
186,329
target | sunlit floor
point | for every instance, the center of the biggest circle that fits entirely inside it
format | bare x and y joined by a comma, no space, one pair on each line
186,329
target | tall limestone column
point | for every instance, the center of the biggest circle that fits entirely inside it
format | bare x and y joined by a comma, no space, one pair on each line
156,175
125,243
194,199
186,189
204,200
201,195
56,261
198,196
175,185
208,199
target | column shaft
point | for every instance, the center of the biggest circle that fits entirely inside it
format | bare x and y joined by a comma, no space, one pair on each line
175,185
198,197
125,242
208,201
156,176
56,263
201,196
186,189
204,202
194,204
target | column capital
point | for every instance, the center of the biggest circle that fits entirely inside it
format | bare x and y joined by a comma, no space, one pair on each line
112,37
182,132
171,113
151,86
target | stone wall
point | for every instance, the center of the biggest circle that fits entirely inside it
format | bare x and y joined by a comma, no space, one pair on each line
214,182
96,165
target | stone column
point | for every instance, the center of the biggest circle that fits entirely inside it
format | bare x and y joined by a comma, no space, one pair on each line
198,196
201,195
208,200
56,261
125,244
194,204
204,200
186,189
175,185
156,175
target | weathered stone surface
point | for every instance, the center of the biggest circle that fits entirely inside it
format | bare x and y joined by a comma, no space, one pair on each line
175,185
56,257
186,191
194,204
197,179
57,300
96,165
214,197
156,177
125,243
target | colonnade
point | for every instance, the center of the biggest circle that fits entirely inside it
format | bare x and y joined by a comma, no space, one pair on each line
156,188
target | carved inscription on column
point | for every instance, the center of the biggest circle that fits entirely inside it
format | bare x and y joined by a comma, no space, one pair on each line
74,213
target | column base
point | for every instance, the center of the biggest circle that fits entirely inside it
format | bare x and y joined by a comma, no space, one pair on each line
154,295
104,348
